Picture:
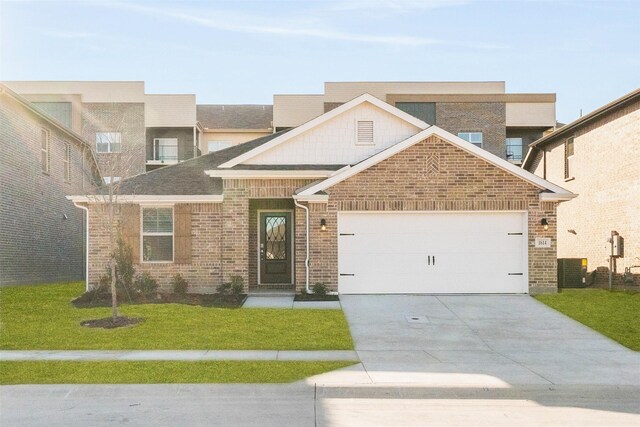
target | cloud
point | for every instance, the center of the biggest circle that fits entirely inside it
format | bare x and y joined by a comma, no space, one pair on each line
395,5
233,24
67,34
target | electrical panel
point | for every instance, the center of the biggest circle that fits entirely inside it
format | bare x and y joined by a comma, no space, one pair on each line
617,248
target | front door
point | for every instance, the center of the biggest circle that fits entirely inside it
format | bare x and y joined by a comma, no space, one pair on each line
275,247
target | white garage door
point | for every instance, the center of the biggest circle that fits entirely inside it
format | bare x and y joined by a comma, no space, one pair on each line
386,253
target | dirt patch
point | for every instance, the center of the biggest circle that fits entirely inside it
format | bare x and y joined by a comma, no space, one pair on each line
110,323
314,297
92,299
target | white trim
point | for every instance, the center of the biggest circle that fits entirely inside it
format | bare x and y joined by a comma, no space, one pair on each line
173,234
456,141
143,199
554,197
268,174
312,198
322,119
292,241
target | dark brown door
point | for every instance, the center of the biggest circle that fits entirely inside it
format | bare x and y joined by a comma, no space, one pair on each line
275,247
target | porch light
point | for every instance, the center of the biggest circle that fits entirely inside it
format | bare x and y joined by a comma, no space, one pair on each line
545,223
323,224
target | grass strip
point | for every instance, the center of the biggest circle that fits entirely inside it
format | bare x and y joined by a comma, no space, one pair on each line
160,372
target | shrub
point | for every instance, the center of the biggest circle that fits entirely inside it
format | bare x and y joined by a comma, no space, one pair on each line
237,285
179,284
320,289
224,288
145,284
123,257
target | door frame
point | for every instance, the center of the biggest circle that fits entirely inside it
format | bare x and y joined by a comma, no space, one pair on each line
525,234
292,243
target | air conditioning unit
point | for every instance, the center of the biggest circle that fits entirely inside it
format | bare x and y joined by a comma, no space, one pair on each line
572,272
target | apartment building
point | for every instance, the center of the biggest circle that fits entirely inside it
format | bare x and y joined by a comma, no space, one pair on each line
224,126
41,162
130,131
479,112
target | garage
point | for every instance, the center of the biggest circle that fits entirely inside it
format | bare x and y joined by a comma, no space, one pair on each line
432,253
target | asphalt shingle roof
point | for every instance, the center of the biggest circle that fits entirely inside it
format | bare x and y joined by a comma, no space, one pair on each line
235,116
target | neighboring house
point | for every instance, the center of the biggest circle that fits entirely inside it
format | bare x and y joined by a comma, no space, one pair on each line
41,161
480,112
120,119
598,158
224,126
364,198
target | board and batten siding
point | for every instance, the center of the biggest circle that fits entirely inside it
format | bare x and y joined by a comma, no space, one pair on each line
334,142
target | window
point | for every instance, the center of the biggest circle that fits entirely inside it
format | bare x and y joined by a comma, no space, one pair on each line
473,137
218,145
364,132
66,162
568,158
110,179
44,150
514,149
165,149
108,142
157,234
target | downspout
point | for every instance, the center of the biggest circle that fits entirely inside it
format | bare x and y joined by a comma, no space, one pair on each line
306,261
86,255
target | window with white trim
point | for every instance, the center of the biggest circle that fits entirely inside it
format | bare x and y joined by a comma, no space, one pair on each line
568,158
110,179
217,145
473,137
364,132
108,142
157,234
66,162
44,150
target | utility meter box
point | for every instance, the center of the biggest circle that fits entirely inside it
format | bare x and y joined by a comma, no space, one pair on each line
572,272
617,246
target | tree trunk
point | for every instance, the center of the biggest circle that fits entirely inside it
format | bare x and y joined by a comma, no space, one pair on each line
114,297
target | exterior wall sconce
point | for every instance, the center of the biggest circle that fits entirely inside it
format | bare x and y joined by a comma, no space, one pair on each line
545,223
323,224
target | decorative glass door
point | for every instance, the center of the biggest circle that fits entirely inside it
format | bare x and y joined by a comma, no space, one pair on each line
275,247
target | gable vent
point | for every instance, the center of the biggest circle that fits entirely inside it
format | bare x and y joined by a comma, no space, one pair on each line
364,132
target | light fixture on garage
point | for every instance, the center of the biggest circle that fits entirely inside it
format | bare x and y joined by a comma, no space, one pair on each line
323,224
545,223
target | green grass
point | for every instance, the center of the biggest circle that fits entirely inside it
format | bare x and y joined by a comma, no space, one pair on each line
614,314
161,372
42,318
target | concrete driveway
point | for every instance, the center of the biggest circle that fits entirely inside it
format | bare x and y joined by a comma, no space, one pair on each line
492,341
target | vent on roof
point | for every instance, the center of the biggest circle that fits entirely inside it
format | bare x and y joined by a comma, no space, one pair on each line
364,132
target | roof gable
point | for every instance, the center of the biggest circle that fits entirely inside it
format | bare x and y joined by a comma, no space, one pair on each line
557,192
319,121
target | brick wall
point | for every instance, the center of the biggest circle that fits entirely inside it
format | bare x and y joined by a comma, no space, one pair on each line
486,117
460,182
606,167
127,118
37,244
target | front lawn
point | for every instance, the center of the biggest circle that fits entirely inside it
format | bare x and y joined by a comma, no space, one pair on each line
42,318
119,372
614,314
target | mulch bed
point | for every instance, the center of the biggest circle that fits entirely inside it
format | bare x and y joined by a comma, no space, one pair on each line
109,323
90,300
314,297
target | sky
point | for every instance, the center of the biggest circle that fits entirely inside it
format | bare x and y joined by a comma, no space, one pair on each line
243,52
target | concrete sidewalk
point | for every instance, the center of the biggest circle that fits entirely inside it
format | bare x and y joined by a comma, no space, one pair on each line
186,355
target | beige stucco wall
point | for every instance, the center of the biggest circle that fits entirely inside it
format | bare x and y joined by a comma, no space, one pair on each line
170,110
294,110
96,91
346,91
607,180
542,114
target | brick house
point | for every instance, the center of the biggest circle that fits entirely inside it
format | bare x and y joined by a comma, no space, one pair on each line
41,161
596,157
364,198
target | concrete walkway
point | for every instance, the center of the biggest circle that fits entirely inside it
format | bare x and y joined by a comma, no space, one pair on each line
287,302
186,355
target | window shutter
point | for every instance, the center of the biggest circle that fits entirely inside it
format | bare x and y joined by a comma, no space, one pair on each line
131,228
182,233
364,132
